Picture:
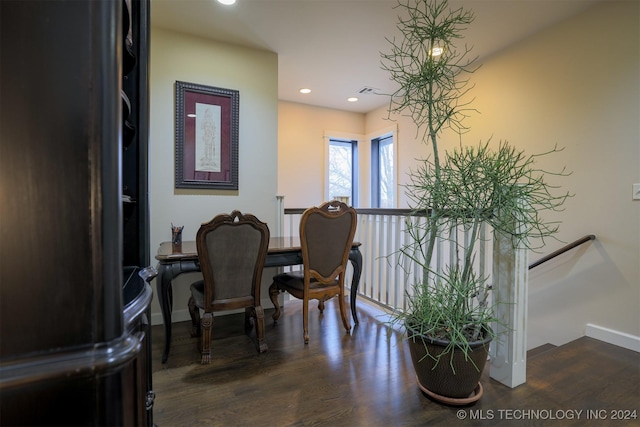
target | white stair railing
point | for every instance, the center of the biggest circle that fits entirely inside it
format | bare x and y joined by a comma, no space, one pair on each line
382,232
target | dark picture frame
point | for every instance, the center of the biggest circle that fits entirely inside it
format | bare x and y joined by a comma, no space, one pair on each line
207,126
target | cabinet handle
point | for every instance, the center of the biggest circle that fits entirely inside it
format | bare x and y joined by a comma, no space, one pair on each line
151,397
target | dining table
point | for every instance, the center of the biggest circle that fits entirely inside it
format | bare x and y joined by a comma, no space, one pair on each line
176,259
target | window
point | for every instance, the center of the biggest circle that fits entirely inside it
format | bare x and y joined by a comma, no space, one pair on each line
383,172
343,160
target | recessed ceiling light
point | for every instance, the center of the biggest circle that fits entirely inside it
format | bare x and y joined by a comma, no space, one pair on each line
437,51
305,90
352,99
227,2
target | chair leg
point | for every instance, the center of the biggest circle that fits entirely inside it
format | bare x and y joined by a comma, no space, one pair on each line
305,319
206,324
259,321
194,311
248,314
273,294
343,312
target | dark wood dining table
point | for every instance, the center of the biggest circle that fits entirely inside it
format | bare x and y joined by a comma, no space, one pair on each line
283,251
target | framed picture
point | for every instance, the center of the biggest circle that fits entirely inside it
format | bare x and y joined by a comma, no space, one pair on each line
206,137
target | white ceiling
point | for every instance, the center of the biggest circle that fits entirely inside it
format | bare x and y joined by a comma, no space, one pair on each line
333,46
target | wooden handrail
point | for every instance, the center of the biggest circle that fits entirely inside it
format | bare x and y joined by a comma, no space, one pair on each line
562,250
370,211
410,212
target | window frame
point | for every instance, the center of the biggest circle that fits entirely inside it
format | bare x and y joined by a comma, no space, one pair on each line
355,141
353,197
375,168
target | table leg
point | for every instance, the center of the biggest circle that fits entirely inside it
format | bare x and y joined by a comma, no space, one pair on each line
166,273
355,256
165,299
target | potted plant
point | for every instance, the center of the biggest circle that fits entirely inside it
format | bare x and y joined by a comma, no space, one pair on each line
450,310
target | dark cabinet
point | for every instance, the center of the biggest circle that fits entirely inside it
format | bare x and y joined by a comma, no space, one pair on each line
74,331
139,397
135,132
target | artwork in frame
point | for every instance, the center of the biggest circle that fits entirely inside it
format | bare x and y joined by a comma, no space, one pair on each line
206,137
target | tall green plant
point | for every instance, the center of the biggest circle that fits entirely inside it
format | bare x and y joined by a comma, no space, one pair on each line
430,86
468,187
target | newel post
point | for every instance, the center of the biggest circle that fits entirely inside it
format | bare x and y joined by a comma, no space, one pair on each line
279,225
508,363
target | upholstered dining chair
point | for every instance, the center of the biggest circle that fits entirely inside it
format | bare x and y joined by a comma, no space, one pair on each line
232,249
326,236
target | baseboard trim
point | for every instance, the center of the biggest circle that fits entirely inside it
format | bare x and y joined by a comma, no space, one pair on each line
176,316
183,315
621,339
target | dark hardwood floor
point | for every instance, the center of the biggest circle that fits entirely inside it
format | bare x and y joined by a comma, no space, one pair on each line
366,379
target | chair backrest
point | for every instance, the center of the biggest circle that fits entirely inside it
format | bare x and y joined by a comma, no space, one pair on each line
326,236
232,250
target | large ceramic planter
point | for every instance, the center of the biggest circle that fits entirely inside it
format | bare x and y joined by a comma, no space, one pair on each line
438,379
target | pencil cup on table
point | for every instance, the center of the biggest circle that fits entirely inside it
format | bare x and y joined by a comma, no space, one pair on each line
176,238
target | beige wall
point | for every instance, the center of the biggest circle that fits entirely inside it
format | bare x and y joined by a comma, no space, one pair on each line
576,84
254,74
301,149
303,132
